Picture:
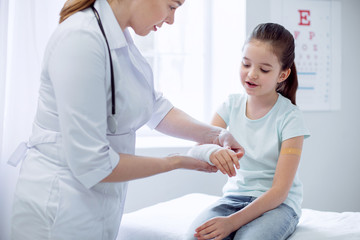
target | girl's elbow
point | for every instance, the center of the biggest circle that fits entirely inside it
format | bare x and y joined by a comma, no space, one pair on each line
281,193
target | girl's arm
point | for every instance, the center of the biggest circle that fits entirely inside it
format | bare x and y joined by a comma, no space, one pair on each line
226,166
287,165
284,175
224,158
218,121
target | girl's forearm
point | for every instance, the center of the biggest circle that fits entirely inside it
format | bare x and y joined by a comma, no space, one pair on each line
266,202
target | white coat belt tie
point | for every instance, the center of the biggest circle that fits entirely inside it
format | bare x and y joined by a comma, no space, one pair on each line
43,136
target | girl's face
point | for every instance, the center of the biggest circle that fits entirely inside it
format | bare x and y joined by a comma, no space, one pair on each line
150,15
260,69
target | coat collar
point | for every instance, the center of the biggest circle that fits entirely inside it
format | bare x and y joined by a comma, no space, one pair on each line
116,37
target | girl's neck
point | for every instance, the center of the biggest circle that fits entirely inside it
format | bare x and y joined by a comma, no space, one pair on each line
258,107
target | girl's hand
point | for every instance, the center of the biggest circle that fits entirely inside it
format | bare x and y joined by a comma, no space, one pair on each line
216,229
225,159
186,162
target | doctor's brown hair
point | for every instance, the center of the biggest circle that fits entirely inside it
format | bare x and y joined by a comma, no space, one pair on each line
283,45
72,6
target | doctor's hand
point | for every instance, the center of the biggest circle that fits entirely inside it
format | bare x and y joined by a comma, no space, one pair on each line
225,159
226,139
185,162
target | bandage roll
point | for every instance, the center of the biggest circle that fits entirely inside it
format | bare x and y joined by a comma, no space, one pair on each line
203,152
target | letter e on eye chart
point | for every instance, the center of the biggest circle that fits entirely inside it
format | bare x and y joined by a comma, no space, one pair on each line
315,26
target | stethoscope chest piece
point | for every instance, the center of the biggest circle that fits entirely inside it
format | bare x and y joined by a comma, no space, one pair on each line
112,123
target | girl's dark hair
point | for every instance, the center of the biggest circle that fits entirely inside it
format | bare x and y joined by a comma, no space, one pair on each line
283,45
72,6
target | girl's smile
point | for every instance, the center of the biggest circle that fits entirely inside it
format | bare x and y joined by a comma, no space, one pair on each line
260,69
250,84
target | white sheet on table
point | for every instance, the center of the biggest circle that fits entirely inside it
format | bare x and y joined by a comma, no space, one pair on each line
170,221
317,225
166,220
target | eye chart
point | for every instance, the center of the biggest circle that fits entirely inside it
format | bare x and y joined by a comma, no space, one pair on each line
315,25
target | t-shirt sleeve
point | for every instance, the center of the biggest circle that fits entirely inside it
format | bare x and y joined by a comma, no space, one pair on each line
224,110
294,125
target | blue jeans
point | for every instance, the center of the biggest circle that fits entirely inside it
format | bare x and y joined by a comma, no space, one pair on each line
275,224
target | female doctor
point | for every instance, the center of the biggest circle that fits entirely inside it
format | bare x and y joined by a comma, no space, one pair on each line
96,91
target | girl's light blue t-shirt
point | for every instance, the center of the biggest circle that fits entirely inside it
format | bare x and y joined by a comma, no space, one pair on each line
261,139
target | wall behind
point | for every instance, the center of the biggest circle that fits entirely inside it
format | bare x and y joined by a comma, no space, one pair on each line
330,161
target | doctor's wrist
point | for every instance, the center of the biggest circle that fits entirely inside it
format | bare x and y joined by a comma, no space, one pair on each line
212,136
221,134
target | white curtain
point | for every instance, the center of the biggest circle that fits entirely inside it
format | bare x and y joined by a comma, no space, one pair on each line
25,27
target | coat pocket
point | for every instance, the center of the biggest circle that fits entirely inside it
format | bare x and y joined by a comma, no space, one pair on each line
52,205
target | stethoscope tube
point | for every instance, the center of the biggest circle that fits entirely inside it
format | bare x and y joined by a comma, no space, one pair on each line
111,120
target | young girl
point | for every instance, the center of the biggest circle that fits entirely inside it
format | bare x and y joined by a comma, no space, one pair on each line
262,198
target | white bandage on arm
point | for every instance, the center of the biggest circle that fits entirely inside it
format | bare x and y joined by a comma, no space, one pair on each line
203,152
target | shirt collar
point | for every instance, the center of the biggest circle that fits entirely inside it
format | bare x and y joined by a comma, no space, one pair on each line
116,37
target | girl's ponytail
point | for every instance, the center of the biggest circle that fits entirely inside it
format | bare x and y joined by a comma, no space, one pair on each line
288,87
73,6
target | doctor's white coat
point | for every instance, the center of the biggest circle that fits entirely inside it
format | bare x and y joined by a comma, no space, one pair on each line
59,194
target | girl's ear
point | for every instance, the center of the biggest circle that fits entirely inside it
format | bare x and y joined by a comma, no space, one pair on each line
284,75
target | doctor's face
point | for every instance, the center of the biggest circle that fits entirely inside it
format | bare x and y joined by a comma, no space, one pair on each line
149,15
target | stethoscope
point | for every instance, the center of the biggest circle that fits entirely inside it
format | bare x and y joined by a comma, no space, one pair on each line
111,120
